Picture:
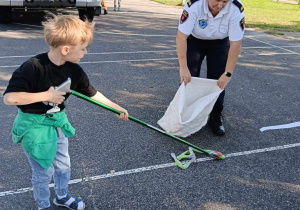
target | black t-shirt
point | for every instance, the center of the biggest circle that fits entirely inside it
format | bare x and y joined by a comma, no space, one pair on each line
38,74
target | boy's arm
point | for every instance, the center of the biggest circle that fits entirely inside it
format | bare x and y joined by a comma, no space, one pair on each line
102,99
24,98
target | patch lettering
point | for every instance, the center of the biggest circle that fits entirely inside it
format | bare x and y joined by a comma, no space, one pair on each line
184,16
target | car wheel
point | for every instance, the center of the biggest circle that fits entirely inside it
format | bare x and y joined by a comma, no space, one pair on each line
5,14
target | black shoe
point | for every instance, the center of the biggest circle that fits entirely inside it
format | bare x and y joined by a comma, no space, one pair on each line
105,12
215,122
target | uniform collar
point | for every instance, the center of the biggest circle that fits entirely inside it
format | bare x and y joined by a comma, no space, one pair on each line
206,10
224,11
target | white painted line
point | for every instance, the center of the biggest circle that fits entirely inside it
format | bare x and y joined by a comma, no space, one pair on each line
18,56
273,45
269,149
268,54
13,192
133,52
118,61
270,47
13,66
154,167
274,127
154,59
101,53
139,52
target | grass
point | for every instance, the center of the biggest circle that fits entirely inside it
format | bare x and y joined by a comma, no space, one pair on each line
169,2
266,15
273,17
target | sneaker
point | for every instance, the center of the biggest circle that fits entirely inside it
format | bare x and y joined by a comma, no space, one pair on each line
74,204
105,12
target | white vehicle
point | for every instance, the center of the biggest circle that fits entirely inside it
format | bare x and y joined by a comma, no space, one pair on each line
86,8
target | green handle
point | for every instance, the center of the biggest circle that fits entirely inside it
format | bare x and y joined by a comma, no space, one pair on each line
195,148
73,92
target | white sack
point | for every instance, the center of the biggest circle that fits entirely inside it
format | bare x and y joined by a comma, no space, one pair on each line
188,111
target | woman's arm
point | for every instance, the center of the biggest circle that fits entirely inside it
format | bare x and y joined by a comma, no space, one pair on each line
234,51
181,45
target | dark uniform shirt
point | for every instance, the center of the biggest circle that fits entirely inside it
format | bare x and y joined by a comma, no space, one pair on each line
38,74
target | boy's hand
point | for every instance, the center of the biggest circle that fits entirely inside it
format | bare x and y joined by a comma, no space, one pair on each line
123,115
55,96
102,99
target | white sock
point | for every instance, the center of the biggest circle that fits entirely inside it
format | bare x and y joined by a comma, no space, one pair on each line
61,196
71,200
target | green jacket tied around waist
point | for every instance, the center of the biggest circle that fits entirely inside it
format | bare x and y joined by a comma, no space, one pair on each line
37,134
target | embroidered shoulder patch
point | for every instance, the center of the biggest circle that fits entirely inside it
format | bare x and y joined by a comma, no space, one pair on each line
184,16
242,24
239,5
190,2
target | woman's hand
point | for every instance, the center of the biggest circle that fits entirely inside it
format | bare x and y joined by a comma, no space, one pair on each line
223,81
185,75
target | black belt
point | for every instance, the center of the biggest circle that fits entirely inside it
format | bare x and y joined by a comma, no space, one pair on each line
209,40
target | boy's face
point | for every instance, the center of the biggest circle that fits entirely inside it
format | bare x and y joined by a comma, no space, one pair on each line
76,53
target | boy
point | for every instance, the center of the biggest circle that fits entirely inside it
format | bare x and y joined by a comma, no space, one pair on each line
43,135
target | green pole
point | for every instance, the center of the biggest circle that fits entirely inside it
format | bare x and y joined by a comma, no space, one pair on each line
215,154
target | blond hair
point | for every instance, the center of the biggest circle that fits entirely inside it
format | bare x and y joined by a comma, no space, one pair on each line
67,30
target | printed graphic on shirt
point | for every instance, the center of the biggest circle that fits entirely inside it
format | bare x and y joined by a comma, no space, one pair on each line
242,24
203,23
184,16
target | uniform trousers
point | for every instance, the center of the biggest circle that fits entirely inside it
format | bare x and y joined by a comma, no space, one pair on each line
216,53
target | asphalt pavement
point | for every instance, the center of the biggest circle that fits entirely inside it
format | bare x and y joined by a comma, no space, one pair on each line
123,165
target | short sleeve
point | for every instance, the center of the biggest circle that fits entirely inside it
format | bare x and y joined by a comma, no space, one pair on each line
23,79
236,26
188,19
84,87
